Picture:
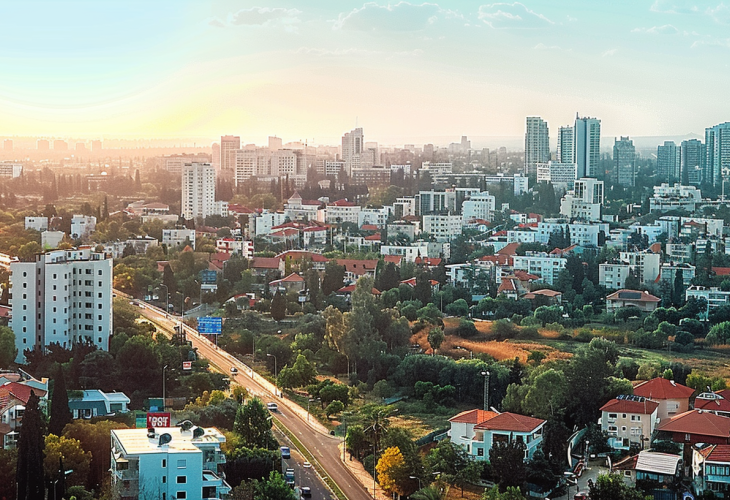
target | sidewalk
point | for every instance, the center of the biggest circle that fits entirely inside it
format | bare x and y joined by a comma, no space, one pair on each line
363,477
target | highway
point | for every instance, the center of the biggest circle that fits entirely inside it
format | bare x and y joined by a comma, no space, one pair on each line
323,447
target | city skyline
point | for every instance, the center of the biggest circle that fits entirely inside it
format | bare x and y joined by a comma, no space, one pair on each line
192,69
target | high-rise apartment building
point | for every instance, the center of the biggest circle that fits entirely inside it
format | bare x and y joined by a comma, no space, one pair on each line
668,162
717,152
43,145
229,145
96,146
8,144
352,148
60,145
624,161
565,145
692,161
198,191
587,146
275,143
10,169
64,297
81,146
215,156
537,144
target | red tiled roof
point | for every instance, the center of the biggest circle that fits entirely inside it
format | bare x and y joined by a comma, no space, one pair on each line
351,288
292,278
643,296
302,254
369,227
719,404
656,248
395,259
265,263
435,261
473,417
721,271
698,422
358,267
284,233
525,276
314,228
507,285
342,203
716,453
546,292
412,282
502,260
511,422
661,388
21,392
373,237
509,249
627,406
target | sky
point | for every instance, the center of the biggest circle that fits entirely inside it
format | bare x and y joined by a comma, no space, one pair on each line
404,71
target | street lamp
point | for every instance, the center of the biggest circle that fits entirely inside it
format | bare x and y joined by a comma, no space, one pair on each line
167,297
272,356
418,479
310,400
485,374
164,383
471,353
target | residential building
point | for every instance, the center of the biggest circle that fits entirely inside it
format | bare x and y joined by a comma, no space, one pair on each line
51,239
692,160
178,237
291,283
198,190
537,144
375,176
437,168
10,170
662,468
342,211
373,216
582,234
696,426
587,146
613,275
668,162
404,207
669,270
96,403
544,265
442,227
624,161
297,208
330,167
646,265
476,431
679,252
710,227
711,469
714,402
401,229
228,147
717,152
243,248
260,224
478,206
565,145
412,251
82,226
40,224
429,202
713,296
168,462
64,297
642,300
523,236
629,420
673,398
352,149
589,190
561,175
676,197
355,269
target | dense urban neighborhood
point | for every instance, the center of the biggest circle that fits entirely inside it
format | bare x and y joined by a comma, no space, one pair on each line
362,321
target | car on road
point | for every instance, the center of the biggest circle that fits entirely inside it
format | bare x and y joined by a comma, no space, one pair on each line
272,407
307,465
289,477
234,370
285,452
306,491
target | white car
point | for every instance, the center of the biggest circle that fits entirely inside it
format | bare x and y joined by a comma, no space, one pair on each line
234,370
272,406
307,465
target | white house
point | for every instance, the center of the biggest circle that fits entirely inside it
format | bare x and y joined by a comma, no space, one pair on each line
628,420
82,226
545,265
40,224
442,227
178,237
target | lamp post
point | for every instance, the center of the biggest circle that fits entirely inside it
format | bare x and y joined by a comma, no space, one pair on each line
471,353
310,400
418,479
253,347
164,383
272,356
485,374
167,297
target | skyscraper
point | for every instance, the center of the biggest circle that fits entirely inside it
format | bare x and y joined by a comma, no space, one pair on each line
229,145
587,146
198,190
537,144
565,145
624,161
275,143
352,148
717,152
668,162
692,161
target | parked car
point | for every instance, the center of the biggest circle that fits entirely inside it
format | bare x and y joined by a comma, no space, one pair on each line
272,406
234,370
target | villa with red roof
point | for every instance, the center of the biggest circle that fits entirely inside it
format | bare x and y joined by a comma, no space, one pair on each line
341,211
317,260
715,402
260,266
628,420
642,300
292,283
673,398
711,468
697,426
477,430
354,269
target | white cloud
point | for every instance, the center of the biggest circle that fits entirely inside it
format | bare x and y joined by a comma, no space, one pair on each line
720,14
712,42
542,46
355,52
666,29
512,15
674,7
216,22
609,53
402,16
264,16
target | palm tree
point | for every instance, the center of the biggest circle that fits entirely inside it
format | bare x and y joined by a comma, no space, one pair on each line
432,492
377,423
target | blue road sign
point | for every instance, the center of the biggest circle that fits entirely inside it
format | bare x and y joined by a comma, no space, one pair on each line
209,325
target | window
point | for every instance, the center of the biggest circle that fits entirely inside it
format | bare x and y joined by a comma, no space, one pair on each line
182,464
164,478
623,416
164,463
181,494
480,452
623,428
182,479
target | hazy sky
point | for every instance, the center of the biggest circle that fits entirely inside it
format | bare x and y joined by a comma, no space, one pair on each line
309,69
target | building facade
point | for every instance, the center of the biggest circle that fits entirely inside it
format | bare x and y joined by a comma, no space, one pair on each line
537,144
587,146
198,190
624,161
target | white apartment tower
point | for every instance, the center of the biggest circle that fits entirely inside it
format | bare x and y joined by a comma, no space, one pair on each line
229,145
537,144
352,149
64,297
565,145
587,146
198,191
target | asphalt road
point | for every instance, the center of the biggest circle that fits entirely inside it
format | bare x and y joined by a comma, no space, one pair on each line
303,476
323,447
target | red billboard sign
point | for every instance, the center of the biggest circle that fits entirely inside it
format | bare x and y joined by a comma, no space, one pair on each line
187,365
158,420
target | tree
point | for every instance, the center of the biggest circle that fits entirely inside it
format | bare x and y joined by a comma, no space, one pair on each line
243,464
548,314
60,449
334,277
8,467
435,338
588,375
428,493
356,440
275,488
422,291
458,308
30,453
546,394
313,286
300,374
8,351
507,459
511,493
392,473
253,425
94,438
60,411
334,408
388,278
678,291
613,487
278,306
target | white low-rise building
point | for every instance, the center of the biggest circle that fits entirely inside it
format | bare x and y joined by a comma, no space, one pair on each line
442,227
341,211
546,266
676,197
561,175
261,224
581,234
478,206
168,463
178,237
82,226
38,223
613,276
430,249
373,216
645,265
714,297
669,271
526,236
234,246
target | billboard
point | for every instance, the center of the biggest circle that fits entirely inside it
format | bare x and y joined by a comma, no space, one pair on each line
208,277
158,420
209,325
187,365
